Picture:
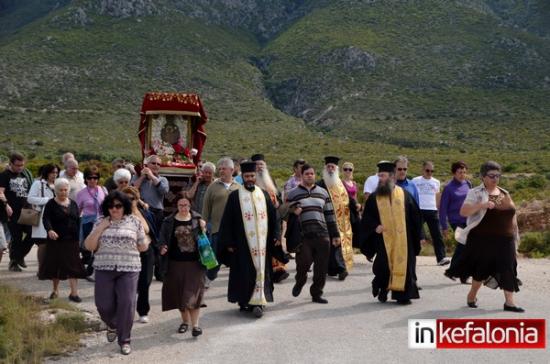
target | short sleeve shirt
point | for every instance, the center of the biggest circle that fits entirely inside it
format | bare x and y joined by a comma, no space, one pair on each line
371,184
427,191
16,189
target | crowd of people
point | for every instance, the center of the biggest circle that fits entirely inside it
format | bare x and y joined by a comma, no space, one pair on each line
119,235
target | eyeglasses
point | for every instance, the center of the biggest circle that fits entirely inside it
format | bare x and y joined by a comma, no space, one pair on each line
429,170
348,169
493,176
154,163
93,177
122,182
184,205
117,206
402,169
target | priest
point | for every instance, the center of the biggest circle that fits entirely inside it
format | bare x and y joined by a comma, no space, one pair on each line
341,257
248,235
391,226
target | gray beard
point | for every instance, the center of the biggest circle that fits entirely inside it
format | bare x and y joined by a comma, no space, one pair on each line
264,181
385,189
330,179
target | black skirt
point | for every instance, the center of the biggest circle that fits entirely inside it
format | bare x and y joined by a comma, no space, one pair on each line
61,261
487,256
183,285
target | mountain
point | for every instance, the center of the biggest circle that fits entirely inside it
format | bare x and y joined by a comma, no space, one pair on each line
441,77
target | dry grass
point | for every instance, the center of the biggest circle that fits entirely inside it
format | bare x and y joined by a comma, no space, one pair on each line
26,339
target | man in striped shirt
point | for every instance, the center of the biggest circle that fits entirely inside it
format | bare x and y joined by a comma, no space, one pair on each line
312,205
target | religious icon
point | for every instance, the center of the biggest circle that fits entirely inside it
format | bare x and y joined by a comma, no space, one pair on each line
170,132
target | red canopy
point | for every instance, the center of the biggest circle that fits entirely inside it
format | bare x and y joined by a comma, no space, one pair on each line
165,102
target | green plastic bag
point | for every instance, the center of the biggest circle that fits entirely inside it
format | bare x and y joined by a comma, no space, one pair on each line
208,258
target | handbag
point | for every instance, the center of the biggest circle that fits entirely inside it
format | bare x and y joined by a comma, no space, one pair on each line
29,216
206,253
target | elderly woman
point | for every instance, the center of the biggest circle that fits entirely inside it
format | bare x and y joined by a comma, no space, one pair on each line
61,258
491,237
184,276
89,202
139,210
122,178
42,191
117,239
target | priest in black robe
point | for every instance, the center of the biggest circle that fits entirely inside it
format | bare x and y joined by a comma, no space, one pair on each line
249,234
390,229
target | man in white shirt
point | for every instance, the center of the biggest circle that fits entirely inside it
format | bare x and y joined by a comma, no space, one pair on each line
428,193
74,176
371,184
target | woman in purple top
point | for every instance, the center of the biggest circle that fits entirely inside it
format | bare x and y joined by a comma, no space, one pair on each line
89,202
349,183
452,198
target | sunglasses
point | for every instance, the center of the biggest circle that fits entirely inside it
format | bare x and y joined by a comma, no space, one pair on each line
348,169
402,169
122,182
493,176
117,206
429,170
154,163
93,177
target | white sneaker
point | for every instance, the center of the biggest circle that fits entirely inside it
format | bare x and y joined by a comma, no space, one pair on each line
125,349
144,319
444,261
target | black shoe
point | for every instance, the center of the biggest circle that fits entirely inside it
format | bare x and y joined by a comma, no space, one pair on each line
513,308
404,302
284,276
383,295
342,276
319,299
183,328
197,331
203,305
14,267
448,275
258,311
296,290
75,299
472,304
22,263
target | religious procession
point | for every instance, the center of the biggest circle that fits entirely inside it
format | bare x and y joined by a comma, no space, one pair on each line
181,220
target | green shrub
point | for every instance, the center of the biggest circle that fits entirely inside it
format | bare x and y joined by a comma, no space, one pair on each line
535,244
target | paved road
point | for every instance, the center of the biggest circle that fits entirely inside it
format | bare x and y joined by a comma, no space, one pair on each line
352,328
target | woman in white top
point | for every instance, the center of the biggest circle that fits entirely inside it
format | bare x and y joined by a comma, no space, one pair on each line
42,190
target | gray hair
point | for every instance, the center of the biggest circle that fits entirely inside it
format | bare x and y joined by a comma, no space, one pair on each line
61,182
401,159
150,158
120,174
67,156
210,166
489,166
426,163
226,162
71,163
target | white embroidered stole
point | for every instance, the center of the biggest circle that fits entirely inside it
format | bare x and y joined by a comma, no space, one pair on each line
254,214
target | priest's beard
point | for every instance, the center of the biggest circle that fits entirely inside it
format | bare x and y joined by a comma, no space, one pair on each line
386,188
331,178
264,181
250,186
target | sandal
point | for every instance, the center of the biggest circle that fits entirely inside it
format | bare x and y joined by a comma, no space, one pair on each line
183,328
111,334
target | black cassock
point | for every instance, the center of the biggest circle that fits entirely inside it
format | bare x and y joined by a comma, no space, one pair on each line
372,244
242,273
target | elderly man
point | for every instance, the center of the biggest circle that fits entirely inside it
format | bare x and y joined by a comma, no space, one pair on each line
214,202
74,176
401,168
15,183
249,231
153,188
341,257
198,189
391,231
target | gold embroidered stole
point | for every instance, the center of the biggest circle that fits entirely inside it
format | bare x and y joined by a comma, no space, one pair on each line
254,215
340,202
392,218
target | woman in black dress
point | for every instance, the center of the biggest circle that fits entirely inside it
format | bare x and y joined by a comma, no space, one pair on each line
184,276
491,237
61,259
